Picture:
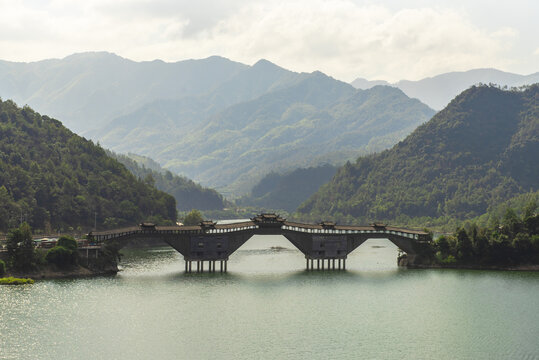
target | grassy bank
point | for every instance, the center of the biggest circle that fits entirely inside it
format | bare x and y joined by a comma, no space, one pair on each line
15,281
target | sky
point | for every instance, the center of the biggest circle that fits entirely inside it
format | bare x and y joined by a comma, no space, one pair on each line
385,39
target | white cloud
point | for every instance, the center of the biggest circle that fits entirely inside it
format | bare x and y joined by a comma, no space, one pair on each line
339,37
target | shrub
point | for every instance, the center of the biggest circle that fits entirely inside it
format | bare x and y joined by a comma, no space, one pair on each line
60,256
194,217
449,260
67,242
2,268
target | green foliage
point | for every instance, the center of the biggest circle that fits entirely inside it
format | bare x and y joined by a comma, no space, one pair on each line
514,243
64,254
194,217
287,191
2,268
56,179
20,247
67,242
187,193
470,157
61,257
15,281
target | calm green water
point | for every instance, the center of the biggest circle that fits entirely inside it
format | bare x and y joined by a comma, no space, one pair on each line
268,307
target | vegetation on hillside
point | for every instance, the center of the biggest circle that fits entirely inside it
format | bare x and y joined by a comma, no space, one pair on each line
188,194
509,241
290,128
477,153
287,191
55,179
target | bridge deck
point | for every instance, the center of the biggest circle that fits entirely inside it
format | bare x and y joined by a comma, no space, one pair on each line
253,226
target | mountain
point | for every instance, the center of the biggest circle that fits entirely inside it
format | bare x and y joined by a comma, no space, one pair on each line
188,194
289,128
438,91
55,179
304,120
89,89
481,150
287,191
220,123
167,120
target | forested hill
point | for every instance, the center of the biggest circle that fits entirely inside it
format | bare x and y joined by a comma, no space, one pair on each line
56,179
481,150
188,194
287,191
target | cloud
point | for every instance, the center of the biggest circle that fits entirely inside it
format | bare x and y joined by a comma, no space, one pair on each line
340,37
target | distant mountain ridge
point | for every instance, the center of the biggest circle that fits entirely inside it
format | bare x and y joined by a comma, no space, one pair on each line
86,90
437,91
290,128
478,152
221,123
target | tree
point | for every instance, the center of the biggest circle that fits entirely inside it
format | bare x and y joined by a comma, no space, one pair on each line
68,242
510,223
443,245
194,217
60,256
464,245
21,248
64,253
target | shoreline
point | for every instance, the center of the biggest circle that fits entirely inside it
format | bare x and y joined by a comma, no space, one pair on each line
50,273
81,272
477,267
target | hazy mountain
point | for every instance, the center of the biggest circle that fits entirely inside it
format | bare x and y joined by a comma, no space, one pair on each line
56,179
438,91
188,194
89,89
221,123
289,128
287,191
164,120
481,150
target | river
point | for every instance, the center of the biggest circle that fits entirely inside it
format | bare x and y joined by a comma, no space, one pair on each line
268,307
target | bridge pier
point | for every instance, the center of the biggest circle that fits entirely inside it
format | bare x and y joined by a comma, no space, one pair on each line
212,266
325,263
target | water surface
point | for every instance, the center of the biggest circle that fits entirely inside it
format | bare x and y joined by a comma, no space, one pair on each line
268,307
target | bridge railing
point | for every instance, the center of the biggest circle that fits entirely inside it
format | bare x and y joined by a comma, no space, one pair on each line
230,229
349,231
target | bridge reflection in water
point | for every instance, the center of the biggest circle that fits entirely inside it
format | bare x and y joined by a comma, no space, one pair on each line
325,245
